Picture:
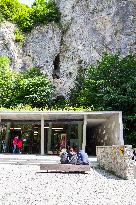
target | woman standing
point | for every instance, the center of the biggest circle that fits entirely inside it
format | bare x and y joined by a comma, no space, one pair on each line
15,142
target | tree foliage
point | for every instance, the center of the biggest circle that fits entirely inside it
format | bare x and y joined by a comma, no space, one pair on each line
33,88
6,79
29,87
26,18
45,11
110,85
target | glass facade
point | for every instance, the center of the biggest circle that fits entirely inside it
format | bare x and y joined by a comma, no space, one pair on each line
26,132
56,136
62,136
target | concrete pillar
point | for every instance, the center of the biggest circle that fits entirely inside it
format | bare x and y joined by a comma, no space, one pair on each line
121,129
7,136
49,137
80,130
42,135
84,132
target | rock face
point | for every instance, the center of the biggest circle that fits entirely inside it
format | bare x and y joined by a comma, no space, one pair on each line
88,28
8,47
42,46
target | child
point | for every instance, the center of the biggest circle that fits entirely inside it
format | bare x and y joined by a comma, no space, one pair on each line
20,145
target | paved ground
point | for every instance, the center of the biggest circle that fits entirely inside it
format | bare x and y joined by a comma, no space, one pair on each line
34,159
25,185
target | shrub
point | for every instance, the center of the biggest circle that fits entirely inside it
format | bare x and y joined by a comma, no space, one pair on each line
6,81
19,37
44,12
1,18
32,88
26,18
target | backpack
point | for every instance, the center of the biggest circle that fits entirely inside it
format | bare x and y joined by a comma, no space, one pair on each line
73,159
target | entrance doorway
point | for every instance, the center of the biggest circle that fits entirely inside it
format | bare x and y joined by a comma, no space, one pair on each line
64,135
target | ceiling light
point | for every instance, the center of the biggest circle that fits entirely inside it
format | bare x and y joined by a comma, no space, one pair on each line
57,128
15,128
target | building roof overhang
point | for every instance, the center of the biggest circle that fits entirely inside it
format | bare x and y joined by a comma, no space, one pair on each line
57,115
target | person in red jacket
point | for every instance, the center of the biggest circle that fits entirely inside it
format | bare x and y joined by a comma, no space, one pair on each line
20,145
15,141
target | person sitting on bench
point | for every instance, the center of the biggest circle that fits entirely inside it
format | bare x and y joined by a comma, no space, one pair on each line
74,156
83,156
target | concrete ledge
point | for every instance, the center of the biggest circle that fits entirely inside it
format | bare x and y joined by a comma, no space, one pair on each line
65,167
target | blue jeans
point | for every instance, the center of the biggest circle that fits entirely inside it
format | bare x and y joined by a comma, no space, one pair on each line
14,149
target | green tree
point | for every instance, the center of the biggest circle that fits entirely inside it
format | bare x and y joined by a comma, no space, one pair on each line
6,81
110,85
33,88
30,87
45,11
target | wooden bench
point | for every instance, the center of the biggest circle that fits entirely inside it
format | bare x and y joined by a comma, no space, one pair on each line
65,167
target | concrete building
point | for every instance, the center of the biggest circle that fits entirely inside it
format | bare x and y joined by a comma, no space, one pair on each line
42,132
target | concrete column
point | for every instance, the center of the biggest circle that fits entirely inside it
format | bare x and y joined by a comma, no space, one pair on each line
49,137
7,136
84,133
80,133
42,135
121,129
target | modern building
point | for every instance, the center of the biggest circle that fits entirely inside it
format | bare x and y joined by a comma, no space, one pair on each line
45,132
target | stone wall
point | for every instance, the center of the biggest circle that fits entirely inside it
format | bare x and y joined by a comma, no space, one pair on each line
88,28
118,160
109,132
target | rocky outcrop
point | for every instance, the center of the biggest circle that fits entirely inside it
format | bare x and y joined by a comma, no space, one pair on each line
42,46
88,28
93,27
8,46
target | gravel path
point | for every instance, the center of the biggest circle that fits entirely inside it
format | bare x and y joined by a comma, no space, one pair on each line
25,185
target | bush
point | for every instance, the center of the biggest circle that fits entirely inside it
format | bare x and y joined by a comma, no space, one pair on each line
26,18
29,87
6,81
32,88
44,12
17,13
1,18
19,37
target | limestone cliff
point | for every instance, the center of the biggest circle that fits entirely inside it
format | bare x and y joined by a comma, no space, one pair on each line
87,29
